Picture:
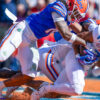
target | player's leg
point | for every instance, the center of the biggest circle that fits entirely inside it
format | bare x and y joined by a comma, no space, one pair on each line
50,65
9,44
71,80
19,35
25,57
75,73
11,41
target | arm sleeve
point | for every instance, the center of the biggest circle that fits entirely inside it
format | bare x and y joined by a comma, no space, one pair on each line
57,17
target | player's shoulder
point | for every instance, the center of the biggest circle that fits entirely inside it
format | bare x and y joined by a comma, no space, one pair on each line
58,7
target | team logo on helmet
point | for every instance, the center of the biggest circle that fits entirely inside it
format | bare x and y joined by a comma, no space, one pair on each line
82,5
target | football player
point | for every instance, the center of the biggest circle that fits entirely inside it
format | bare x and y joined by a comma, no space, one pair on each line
53,18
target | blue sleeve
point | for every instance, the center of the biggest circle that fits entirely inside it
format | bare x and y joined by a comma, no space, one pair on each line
59,8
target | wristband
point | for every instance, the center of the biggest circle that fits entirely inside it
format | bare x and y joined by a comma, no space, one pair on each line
73,38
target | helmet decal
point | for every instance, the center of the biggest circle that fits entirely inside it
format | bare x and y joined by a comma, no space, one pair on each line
82,5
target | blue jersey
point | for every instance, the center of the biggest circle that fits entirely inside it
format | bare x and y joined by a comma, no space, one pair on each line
42,24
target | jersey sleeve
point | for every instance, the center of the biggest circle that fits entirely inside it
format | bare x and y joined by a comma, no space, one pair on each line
89,20
59,8
56,17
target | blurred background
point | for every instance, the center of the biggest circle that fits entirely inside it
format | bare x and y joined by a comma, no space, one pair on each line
23,8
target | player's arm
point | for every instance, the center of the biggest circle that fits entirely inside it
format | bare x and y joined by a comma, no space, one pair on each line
92,33
76,27
65,32
86,35
88,27
85,29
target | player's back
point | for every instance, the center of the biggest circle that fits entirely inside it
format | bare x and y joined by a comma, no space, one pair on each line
42,24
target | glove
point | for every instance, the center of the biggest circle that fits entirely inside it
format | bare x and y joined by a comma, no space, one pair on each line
88,58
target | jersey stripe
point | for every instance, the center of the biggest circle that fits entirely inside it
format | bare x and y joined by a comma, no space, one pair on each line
53,66
62,6
49,65
46,62
59,11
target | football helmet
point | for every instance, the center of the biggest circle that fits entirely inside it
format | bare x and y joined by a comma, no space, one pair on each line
77,9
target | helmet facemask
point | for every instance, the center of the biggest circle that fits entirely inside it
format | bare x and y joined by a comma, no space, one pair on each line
74,13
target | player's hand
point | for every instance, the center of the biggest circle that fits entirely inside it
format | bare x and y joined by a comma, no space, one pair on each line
86,35
79,41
